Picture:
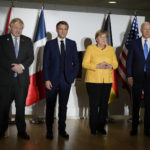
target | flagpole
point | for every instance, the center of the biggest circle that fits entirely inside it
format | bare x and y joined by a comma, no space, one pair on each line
12,3
43,3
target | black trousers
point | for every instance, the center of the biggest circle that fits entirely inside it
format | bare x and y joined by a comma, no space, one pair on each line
137,91
8,93
63,90
98,102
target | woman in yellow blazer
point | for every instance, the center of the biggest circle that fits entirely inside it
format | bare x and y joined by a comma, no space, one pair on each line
99,61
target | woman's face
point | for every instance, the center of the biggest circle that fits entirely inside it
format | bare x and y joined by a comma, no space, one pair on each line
101,39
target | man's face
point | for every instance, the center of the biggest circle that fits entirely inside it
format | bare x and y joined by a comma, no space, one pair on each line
62,31
145,31
16,29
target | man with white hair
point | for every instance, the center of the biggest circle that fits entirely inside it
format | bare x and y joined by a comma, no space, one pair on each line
138,74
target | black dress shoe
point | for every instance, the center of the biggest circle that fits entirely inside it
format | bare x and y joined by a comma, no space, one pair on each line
102,131
49,135
93,132
24,136
133,132
64,134
147,133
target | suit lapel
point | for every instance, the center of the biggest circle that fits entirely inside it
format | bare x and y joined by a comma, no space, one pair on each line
67,47
21,46
11,46
141,47
57,47
142,50
148,57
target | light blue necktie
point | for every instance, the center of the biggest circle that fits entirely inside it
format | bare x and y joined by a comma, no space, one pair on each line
16,47
145,53
16,52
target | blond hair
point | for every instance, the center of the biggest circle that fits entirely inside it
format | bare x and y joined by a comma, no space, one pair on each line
16,21
99,33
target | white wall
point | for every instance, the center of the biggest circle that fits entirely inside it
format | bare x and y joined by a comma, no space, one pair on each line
81,25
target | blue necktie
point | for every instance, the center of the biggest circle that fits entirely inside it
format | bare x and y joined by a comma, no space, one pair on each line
16,52
16,47
145,53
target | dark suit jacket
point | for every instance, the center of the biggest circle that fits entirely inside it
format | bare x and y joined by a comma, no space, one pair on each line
52,64
135,63
7,57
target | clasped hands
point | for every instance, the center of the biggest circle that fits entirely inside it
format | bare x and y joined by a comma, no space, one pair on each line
17,68
104,65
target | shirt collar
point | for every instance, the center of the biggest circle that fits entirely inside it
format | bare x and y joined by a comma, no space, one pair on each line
13,37
143,40
59,39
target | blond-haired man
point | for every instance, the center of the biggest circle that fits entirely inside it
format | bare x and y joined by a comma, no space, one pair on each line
16,55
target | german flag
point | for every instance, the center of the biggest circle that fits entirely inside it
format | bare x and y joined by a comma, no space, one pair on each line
114,89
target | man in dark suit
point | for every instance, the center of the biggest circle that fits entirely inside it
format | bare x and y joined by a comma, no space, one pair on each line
60,67
138,73
16,55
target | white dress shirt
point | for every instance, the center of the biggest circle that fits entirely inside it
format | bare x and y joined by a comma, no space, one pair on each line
59,43
18,41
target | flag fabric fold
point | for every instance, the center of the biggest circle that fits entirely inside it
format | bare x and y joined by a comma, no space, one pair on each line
36,89
8,21
132,35
114,89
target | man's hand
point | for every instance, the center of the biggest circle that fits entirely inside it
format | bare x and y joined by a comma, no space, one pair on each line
48,85
130,81
17,68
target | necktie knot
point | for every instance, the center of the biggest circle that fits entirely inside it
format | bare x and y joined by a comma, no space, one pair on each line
62,42
145,41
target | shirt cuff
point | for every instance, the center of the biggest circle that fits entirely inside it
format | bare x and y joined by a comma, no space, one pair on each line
22,67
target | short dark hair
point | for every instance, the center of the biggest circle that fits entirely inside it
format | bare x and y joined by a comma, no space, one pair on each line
62,22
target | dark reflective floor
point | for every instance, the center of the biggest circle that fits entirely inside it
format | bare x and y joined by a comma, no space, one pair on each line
80,138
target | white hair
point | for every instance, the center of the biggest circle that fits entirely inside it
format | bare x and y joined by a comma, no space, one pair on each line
144,24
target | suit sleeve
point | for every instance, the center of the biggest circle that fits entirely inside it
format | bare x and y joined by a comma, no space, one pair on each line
46,62
75,61
129,61
30,55
115,62
4,64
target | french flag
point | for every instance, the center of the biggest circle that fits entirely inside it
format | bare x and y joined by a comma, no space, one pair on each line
36,91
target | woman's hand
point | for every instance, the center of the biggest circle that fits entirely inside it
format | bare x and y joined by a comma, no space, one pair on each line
101,65
108,66
104,65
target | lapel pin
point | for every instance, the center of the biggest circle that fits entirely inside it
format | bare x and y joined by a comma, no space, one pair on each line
21,40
